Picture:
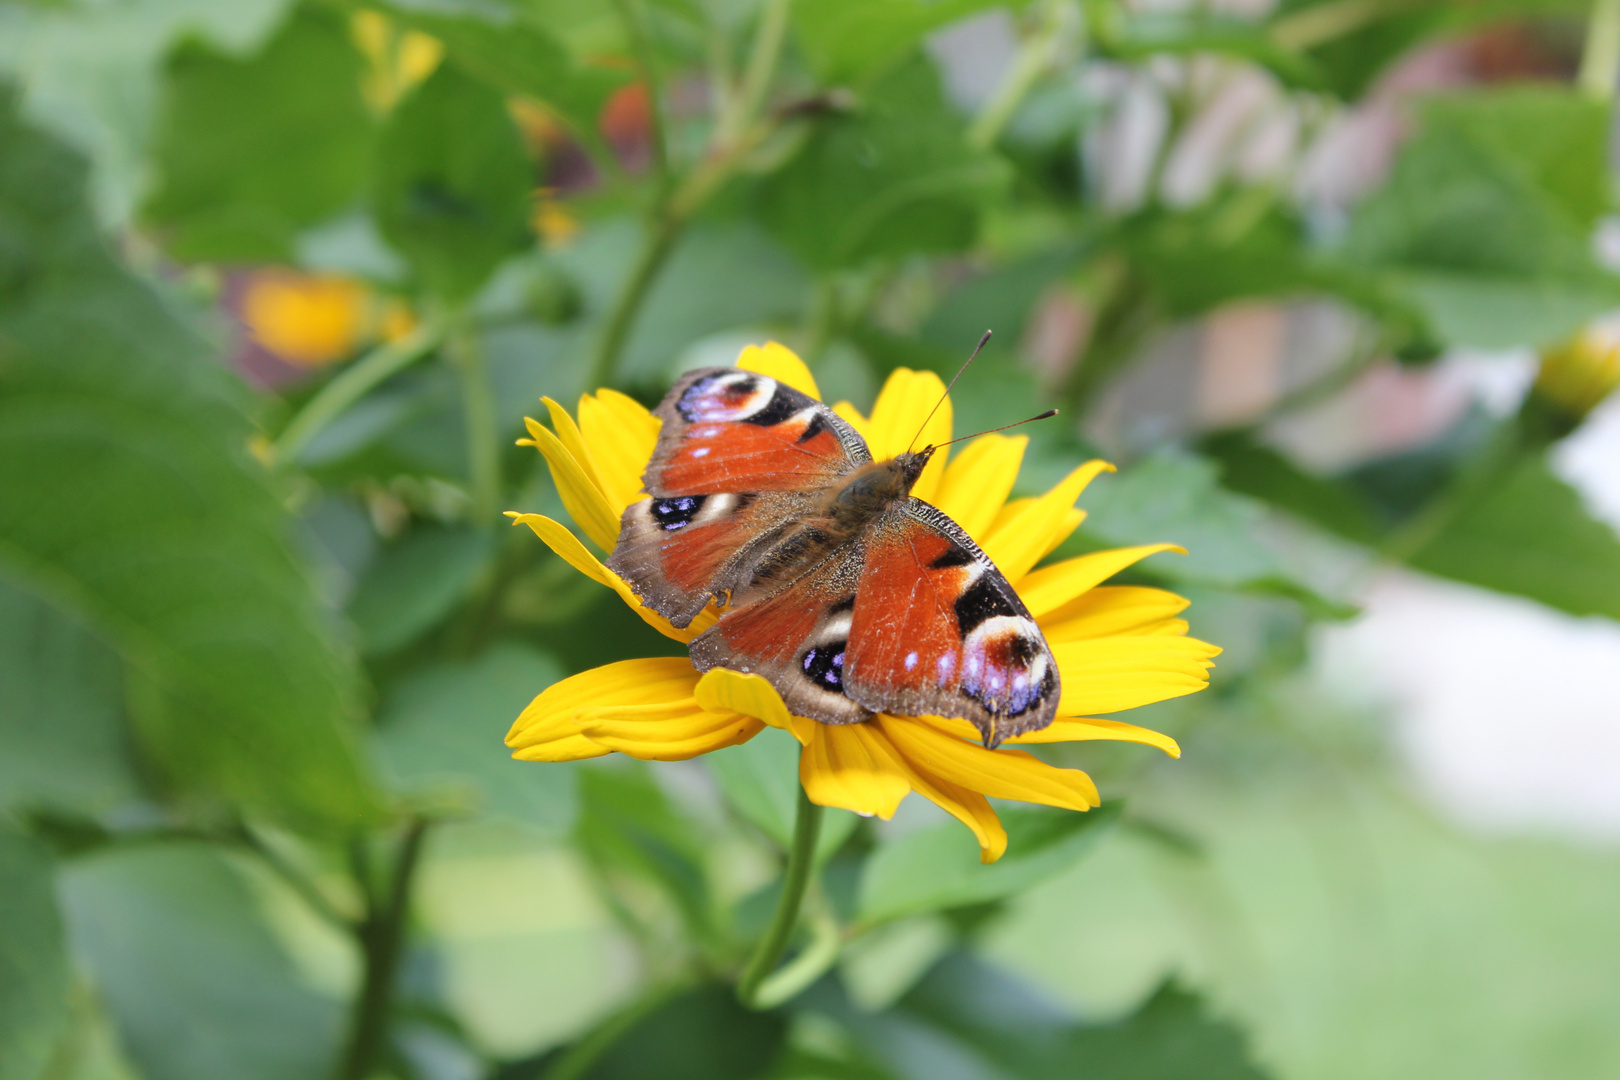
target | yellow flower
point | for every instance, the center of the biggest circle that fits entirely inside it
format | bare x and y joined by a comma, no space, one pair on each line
1116,646
1576,376
317,319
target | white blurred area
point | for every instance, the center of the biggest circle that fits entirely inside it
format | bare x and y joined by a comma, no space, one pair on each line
1506,713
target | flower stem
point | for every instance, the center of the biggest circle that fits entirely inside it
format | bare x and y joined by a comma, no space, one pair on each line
616,329
356,381
801,857
382,939
478,410
1034,56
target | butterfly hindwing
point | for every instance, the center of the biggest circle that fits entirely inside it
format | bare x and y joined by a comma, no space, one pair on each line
937,630
739,460
794,635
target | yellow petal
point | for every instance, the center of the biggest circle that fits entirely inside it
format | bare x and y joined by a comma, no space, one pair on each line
780,363
564,543
1106,675
722,690
1066,729
555,713
978,480
853,767
963,804
1046,590
620,435
569,433
1110,610
590,508
1000,774
1017,542
671,732
896,424
566,748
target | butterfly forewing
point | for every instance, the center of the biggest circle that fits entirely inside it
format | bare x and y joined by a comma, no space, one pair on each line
739,457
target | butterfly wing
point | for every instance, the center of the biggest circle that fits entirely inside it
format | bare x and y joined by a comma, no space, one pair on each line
937,630
794,636
740,459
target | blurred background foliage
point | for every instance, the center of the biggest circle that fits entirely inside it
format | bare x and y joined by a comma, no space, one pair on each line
279,279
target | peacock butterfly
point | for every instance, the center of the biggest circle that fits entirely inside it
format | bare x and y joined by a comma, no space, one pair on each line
833,582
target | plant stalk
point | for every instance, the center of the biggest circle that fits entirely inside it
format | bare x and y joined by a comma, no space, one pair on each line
795,879
382,938
355,382
478,411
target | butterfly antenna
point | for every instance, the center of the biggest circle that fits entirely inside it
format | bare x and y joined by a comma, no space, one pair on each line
947,392
1047,415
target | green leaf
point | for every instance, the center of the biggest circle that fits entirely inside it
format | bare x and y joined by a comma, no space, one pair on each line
703,1034
128,495
453,182
252,150
1531,535
761,780
34,974
62,725
1557,137
938,868
1527,279
197,985
989,1013
517,56
627,824
1174,497
1197,30
1254,469
440,736
852,43
894,179
415,582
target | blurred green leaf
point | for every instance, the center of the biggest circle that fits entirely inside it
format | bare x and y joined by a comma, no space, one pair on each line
937,868
994,1015
128,493
197,985
1197,30
1532,535
34,972
1556,136
1527,279
518,56
851,43
701,1035
1175,497
252,150
62,716
453,182
416,581
761,780
440,734
1251,468
628,825
897,178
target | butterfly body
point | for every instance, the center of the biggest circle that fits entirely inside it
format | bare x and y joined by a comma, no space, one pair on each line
832,581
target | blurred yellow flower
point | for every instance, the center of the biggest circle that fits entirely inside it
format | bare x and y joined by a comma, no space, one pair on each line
1579,374
306,319
1116,646
318,319
399,60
